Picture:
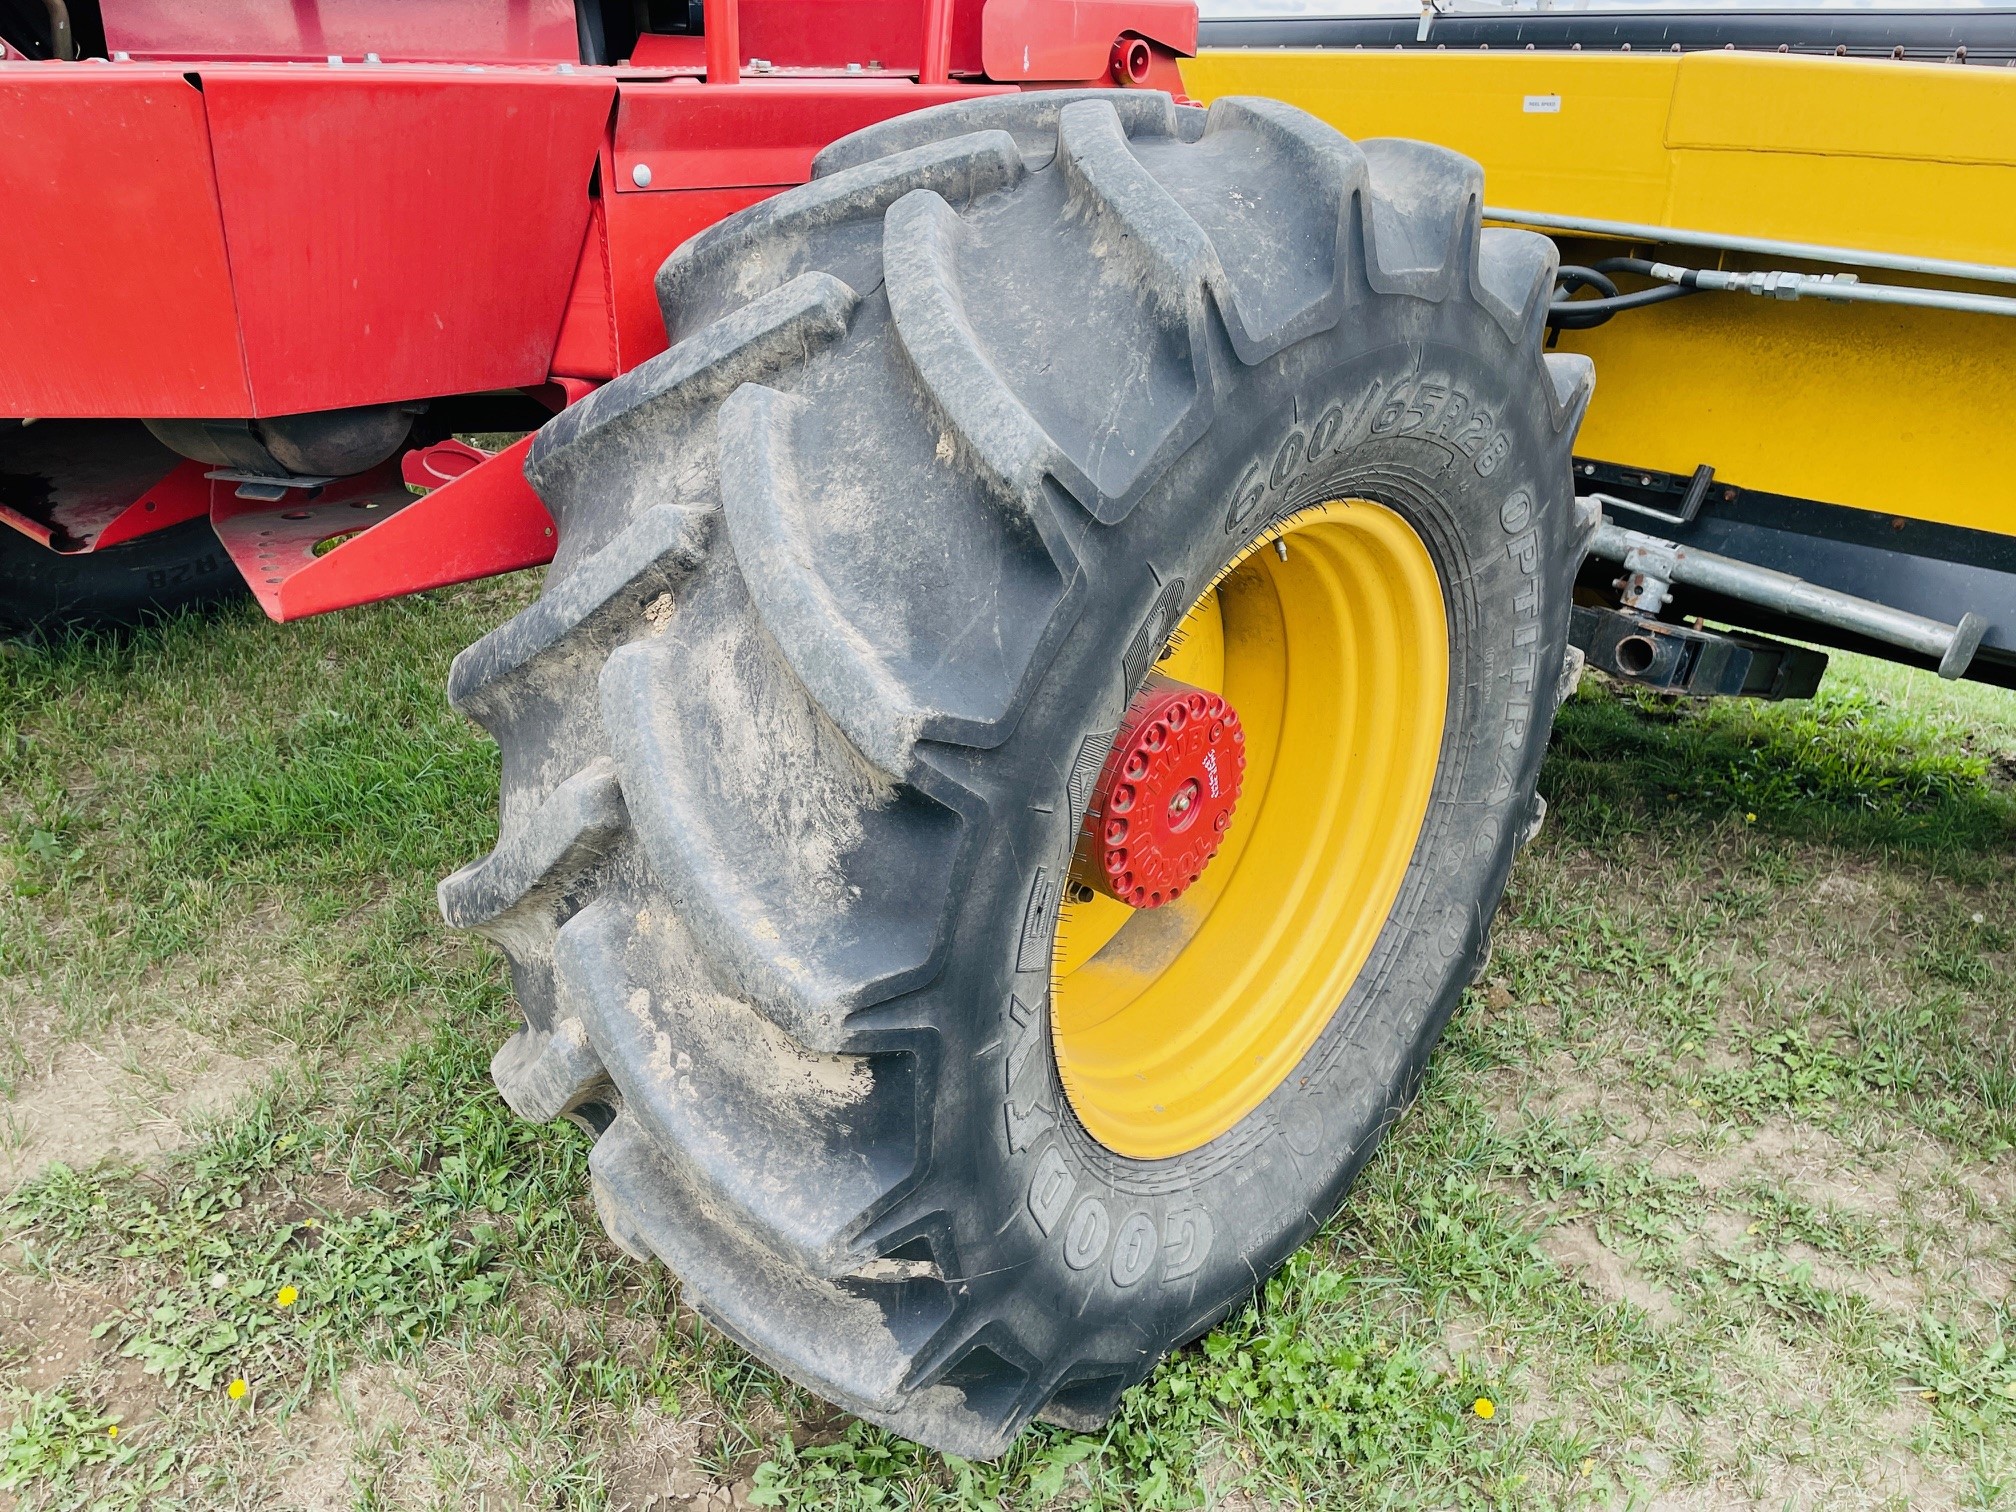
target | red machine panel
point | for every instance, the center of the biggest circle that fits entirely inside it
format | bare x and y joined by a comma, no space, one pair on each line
398,233
828,34
587,344
113,279
1056,40
643,230
446,31
688,135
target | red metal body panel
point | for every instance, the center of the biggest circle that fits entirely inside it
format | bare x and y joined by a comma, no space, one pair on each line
1059,40
113,278
766,131
255,240
485,522
828,34
587,344
400,233
445,31
643,230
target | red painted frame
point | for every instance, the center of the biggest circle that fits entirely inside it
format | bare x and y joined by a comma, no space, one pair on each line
224,239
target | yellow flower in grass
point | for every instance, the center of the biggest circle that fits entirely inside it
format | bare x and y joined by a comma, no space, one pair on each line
111,1430
1484,1407
1589,1466
287,1296
237,1389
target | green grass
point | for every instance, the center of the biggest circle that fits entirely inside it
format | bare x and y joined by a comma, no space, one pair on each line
1709,1194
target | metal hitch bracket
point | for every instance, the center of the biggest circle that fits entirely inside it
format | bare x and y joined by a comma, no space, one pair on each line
1652,566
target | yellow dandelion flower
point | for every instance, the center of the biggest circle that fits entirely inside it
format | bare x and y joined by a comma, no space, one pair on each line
111,1430
1749,818
1484,1407
287,1296
1589,1466
237,1389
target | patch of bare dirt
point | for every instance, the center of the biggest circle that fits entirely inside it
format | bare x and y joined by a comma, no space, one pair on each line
128,1100
1874,1283
1885,1480
46,1341
317,1458
1780,1150
1575,1247
45,1332
653,1468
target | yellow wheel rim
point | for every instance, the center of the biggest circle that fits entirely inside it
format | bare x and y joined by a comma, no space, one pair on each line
1172,1024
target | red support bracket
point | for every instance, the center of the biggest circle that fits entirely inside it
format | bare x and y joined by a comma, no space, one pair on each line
485,521
182,495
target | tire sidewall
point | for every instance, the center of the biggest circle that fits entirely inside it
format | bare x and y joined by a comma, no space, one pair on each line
1094,1256
180,567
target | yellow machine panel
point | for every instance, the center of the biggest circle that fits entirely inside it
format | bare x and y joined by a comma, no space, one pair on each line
1897,410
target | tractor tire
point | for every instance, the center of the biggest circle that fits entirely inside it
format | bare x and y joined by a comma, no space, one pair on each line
854,585
43,592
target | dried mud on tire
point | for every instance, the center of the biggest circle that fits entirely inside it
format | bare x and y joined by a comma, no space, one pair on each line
852,579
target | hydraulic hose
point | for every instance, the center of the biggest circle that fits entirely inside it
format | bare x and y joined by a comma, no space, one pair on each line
1566,313
1672,282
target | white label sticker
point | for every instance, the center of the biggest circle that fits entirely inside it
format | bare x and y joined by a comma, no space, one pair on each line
1543,104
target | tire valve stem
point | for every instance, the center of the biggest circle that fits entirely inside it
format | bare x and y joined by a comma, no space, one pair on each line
1281,547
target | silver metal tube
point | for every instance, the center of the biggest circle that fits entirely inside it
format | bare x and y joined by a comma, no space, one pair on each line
1844,287
1936,267
1952,645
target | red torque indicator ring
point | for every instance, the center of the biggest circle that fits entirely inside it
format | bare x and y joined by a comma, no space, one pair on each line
1165,796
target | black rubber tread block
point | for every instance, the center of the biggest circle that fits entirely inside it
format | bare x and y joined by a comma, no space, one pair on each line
546,1073
1423,218
1030,117
984,424
536,876
649,425
854,1343
1103,341
814,881
832,225
535,865
1144,248
530,682
927,633
1571,381
1515,280
796,1149
1272,189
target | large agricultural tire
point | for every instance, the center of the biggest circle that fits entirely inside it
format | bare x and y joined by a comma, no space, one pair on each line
854,584
46,592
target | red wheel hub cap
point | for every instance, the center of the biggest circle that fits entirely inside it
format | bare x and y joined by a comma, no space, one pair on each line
1165,796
